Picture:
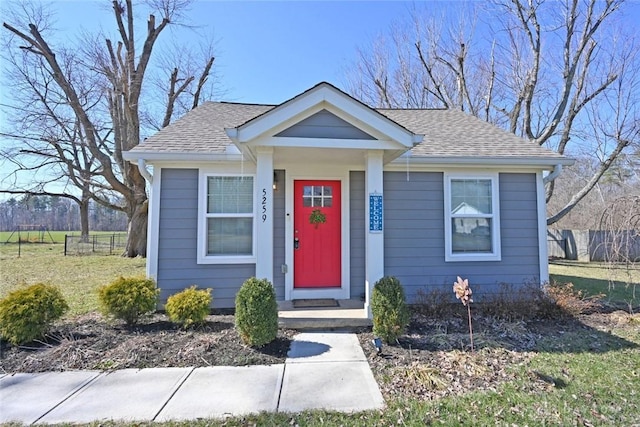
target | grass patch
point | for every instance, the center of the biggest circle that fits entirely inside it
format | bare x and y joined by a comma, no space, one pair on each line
78,277
621,286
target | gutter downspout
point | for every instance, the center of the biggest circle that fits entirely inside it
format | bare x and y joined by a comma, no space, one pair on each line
142,167
557,169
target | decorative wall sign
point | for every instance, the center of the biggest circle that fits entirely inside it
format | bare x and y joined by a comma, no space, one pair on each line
375,213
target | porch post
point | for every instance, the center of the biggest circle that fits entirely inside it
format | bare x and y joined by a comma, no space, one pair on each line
264,213
374,258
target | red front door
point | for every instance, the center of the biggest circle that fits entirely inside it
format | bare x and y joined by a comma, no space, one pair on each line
316,231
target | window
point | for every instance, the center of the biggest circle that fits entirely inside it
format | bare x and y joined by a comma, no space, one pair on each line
317,196
472,220
227,226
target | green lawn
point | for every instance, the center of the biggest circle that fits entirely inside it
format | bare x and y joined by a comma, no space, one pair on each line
77,276
621,286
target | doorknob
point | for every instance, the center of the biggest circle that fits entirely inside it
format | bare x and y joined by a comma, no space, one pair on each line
296,243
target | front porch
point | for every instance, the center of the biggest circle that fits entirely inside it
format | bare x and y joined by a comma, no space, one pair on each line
349,314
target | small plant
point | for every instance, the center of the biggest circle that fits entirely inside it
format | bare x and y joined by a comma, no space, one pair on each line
389,308
463,293
571,301
189,307
257,312
26,314
128,298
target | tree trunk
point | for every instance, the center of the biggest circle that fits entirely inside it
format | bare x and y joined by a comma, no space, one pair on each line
137,239
84,219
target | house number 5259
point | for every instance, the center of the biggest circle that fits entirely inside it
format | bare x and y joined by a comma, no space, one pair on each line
264,204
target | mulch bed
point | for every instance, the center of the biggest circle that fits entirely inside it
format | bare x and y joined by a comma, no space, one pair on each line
91,342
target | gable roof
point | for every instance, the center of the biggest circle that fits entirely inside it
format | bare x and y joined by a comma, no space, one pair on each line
320,97
450,136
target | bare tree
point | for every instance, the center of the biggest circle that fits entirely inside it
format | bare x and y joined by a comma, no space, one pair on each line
540,70
109,122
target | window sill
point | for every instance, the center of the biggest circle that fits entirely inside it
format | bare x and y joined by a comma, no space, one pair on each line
472,257
226,260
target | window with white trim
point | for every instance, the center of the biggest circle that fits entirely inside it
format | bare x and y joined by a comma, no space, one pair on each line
227,226
472,217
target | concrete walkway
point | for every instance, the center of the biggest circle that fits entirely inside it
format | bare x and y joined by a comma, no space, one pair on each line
323,371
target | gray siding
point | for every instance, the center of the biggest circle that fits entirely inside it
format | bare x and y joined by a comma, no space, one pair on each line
177,257
357,231
279,221
414,235
323,124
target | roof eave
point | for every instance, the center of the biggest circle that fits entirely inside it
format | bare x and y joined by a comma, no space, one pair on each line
545,162
151,156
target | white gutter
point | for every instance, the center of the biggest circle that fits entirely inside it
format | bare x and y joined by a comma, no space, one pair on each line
557,169
142,167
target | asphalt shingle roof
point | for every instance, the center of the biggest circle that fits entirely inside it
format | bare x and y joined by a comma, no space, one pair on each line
447,133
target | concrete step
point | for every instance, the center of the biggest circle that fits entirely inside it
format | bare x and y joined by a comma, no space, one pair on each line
319,323
349,315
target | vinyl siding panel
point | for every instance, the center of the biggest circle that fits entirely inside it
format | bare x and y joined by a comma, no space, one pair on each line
279,221
357,231
177,267
324,124
414,235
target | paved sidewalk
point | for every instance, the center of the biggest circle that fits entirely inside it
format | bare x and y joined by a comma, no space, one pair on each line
324,370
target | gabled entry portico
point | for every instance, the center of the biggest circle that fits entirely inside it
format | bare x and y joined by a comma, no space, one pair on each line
317,139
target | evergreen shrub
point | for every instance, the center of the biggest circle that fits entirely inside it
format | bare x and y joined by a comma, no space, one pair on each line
189,307
128,298
26,314
257,312
389,309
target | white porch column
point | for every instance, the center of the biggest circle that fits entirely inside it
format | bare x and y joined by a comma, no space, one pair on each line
264,213
374,254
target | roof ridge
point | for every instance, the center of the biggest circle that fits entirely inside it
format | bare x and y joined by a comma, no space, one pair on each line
257,104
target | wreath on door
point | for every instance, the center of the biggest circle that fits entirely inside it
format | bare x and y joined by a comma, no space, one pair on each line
317,217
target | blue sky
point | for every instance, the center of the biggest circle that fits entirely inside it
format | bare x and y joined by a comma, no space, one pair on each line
267,51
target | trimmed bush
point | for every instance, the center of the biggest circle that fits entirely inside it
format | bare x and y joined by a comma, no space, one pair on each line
128,298
189,307
26,314
257,312
390,312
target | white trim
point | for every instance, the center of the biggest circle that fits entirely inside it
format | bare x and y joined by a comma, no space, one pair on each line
543,255
484,161
374,242
193,156
317,172
153,225
202,258
496,255
263,209
304,142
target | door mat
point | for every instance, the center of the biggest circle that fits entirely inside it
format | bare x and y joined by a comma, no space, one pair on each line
314,303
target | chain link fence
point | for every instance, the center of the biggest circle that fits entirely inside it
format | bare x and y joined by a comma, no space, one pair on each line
106,244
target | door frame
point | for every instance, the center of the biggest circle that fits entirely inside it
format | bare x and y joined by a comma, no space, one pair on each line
318,173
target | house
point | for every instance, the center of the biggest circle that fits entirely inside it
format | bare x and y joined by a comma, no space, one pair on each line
324,195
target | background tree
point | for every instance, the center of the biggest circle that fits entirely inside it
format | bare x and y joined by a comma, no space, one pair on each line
97,114
561,74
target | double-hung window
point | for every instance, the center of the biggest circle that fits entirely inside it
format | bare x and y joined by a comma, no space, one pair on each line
227,223
472,217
